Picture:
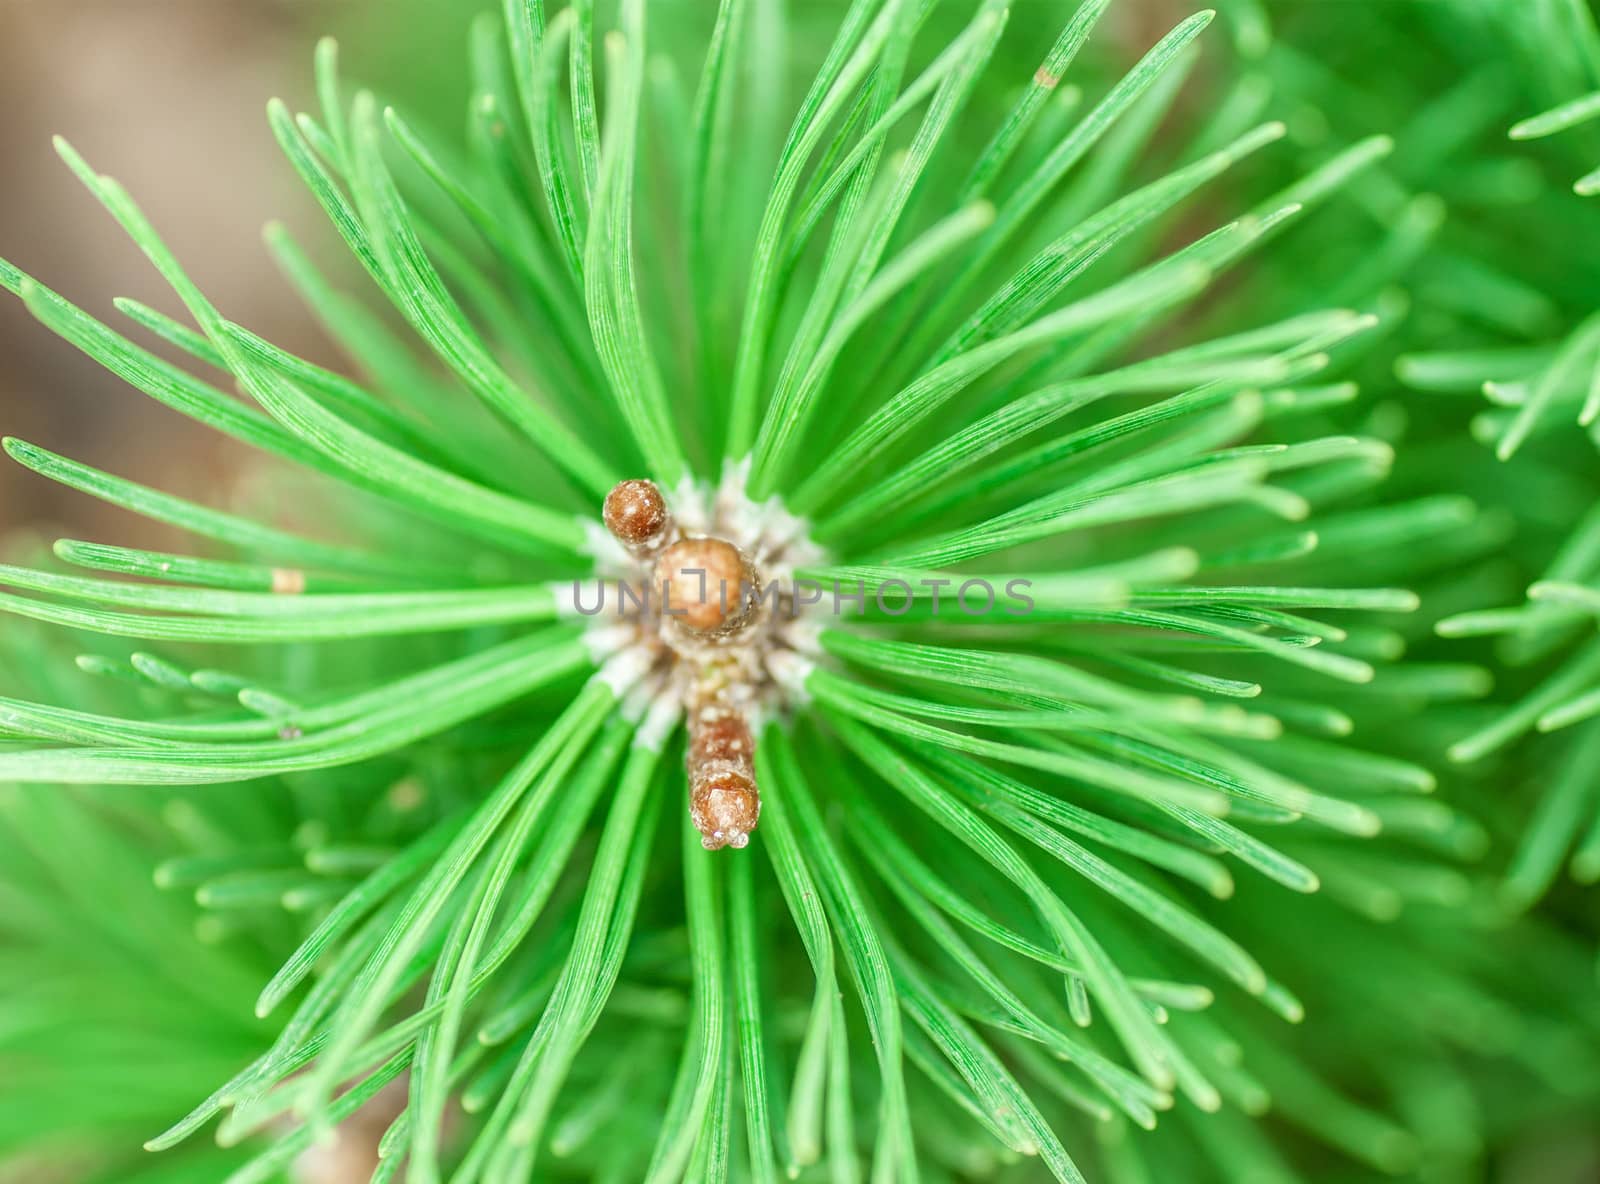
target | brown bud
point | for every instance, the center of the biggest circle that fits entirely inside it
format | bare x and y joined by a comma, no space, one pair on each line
706,585
724,808
636,514
723,738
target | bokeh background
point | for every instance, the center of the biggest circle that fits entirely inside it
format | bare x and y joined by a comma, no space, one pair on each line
168,96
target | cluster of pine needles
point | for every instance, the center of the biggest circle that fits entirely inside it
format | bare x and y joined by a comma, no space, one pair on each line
333,850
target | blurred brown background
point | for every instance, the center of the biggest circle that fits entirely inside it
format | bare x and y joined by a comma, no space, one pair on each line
167,96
